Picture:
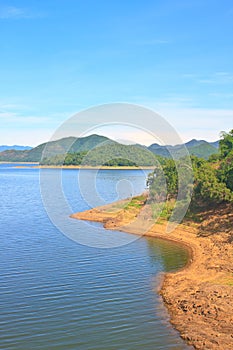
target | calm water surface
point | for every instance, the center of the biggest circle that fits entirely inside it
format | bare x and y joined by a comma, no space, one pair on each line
57,294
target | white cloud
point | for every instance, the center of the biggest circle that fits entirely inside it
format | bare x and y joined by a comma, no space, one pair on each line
13,12
12,113
190,121
26,137
10,117
152,42
20,125
221,95
199,123
125,134
19,114
169,102
12,106
214,78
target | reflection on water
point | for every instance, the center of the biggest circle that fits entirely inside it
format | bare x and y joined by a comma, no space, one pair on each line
171,256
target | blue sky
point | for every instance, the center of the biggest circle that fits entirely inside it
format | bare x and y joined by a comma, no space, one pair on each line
61,56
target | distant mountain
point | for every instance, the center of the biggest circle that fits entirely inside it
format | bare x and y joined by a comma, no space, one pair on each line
203,150
162,151
215,144
194,143
14,147
53,148
199,148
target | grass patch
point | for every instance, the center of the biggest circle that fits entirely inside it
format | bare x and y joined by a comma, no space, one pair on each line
136,203
162,210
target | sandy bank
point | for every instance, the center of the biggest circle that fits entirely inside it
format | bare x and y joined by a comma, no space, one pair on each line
89,167
19,162
199,297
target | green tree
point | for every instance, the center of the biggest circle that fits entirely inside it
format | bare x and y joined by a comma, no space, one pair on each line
226,143
225,170
208,188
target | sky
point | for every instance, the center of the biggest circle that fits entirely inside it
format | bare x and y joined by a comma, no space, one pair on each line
60,57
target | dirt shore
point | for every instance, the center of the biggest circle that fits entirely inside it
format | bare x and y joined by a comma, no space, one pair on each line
199,297
86,167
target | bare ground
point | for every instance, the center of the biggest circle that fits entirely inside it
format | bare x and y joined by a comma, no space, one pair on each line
199,297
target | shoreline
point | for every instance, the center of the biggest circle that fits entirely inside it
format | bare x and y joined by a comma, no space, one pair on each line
87,167
29,163
198,297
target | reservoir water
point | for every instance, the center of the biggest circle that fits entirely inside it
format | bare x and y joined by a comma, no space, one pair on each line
58,294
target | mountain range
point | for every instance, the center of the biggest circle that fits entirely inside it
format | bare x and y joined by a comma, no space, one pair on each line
199,148
14,147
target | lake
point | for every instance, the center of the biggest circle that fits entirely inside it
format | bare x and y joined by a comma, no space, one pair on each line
61,293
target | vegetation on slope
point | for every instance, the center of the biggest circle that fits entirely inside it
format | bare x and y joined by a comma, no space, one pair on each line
199,148
14,147
55,148
109,154
212,183
55,151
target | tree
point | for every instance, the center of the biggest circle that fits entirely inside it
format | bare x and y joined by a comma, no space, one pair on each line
226,143
208,188
225,170
163,182
173,180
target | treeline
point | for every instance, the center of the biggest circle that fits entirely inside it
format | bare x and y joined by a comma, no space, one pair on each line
107,155
65,159
209,183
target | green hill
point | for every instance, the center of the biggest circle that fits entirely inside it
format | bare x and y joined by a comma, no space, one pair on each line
14,147
109,154
199,148
117,155
204,150
55,151
50,149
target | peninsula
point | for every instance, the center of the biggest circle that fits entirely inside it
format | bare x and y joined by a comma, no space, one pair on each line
199,297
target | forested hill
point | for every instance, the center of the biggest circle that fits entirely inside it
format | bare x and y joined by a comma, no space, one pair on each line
114,154
53,148
14,147
212,180
55,151
199,148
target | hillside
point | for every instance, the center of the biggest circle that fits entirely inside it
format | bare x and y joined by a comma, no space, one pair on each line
212,179
14,147
110,154
50,149
198,148
203,150
202,291
71,145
